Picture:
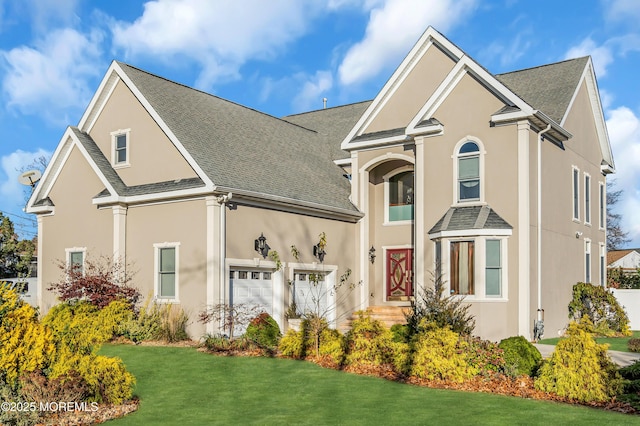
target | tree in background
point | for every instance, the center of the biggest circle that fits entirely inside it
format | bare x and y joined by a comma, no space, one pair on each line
15,254
616,237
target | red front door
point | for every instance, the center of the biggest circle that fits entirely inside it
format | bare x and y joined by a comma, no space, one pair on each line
399,274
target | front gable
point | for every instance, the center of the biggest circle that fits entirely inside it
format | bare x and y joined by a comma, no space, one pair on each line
149,150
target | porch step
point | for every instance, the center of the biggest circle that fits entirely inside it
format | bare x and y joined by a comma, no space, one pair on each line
387,315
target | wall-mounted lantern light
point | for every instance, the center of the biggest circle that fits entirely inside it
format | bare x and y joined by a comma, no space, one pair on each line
372,254
261,246
318,252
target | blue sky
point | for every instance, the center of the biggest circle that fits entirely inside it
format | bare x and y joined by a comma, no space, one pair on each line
284,56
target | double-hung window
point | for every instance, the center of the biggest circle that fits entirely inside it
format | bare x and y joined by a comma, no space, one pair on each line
120,148
493,269
587,261
603,267
587,198
469,172
576,193
602,203
166,277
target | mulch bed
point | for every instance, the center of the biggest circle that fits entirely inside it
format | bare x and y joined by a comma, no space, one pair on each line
81,418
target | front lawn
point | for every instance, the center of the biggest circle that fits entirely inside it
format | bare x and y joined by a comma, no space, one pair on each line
184,386
615,343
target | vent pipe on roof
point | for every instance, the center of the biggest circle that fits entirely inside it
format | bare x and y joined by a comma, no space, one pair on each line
324,103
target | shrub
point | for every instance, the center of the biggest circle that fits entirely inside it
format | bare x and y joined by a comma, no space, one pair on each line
173,323
520,356
83,327
439,355
332,345
634,345
601,307
401,333
292,344
631,374
15,418
25,344
433,307
37,387
107,379
483,355
580,368
99,283
368,342
264,330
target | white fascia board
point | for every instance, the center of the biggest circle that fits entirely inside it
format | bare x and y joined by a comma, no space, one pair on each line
96,104
589,79
509,116
404,69
151,198
371,143
433,130
342,162
293,206
471,233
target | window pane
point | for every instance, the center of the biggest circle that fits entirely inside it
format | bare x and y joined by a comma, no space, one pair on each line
587,199
462,267
168,260
470,189
167,285
468,168
576,207
493,278
122,156
469,147
76,258
493,253
121,141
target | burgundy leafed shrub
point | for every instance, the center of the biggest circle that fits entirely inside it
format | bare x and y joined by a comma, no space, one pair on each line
99,282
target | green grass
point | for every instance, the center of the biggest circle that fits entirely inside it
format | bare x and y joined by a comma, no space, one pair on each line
615,343
186,387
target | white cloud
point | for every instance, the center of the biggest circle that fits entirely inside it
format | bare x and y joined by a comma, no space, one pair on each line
602,56
622,10
310,96
45,14
393,28
220,36
11,190
51,78
624,132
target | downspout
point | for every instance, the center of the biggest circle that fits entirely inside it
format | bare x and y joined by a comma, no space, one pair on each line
222,201
539,323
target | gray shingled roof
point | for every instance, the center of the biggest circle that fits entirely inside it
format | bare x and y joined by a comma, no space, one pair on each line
118,185
548,88
243,149
469,218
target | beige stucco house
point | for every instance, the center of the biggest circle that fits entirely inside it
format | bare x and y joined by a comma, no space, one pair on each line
498,182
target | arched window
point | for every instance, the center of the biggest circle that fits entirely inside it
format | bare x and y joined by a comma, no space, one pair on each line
400,197
468,172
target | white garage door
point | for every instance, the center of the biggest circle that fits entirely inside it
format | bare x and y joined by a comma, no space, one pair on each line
310,293
253,289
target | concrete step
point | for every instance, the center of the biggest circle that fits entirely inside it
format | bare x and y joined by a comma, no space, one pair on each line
387,315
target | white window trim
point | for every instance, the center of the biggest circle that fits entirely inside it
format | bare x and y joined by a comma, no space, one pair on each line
479,278
114,135
587,196
602,264
602,206
588,276
156,273
386,178
575,198
455,157
70,250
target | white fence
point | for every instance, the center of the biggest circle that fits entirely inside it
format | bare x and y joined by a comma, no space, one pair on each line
630,300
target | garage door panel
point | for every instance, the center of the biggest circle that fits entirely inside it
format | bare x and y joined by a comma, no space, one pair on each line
253,291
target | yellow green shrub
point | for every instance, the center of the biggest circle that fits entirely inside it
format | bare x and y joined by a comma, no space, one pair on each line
439,354
580,368
25,345
369,342
292,344
107,378
331,344
83,327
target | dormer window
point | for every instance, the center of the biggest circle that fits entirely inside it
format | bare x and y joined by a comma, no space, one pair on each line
120,150
469,172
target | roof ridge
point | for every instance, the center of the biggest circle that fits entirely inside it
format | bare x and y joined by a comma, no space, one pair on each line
542,66
326,109
212,95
